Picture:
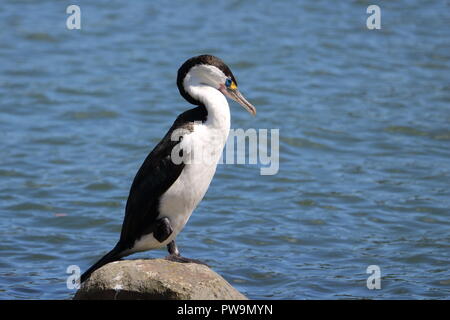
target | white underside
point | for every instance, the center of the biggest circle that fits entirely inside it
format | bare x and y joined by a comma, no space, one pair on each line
180,200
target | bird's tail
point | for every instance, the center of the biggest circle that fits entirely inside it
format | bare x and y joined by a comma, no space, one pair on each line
111,256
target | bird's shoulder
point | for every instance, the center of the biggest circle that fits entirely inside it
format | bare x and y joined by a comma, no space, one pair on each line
185,121
189,117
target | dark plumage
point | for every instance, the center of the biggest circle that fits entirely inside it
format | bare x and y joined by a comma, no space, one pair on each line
156,175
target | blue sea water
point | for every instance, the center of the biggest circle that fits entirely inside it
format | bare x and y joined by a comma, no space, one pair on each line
363,117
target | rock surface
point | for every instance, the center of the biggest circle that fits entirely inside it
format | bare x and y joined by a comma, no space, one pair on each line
156,279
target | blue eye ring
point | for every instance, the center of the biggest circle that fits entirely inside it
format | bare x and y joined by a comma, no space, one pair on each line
228,82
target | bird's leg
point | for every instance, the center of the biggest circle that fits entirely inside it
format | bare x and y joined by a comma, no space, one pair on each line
174,255
162,230
173,249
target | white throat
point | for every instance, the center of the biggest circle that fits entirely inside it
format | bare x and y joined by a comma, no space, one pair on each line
215,102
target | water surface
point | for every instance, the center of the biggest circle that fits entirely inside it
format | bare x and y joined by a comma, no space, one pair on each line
364,142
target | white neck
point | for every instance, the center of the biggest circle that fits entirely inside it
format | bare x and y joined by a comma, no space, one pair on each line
216,105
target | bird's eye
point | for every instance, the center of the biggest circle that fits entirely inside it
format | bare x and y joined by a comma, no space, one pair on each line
228,82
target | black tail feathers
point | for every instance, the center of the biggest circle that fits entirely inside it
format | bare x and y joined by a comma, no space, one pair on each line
111,256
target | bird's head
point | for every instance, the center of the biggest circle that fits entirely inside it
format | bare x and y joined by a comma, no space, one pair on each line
210,71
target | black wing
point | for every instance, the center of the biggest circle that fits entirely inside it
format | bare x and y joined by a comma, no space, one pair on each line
156,175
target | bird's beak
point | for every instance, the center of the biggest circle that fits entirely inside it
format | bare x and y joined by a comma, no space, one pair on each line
234,94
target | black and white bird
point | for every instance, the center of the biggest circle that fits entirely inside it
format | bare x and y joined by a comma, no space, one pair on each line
176,175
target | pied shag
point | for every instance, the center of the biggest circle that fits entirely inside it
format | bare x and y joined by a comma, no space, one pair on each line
176,175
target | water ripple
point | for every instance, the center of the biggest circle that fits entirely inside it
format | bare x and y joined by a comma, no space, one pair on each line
364,142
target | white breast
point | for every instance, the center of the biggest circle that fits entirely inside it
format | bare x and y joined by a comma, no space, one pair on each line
188,190
180,200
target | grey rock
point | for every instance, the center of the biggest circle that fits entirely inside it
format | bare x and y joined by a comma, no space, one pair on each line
156,279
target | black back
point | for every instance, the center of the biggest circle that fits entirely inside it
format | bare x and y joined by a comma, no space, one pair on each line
156,175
